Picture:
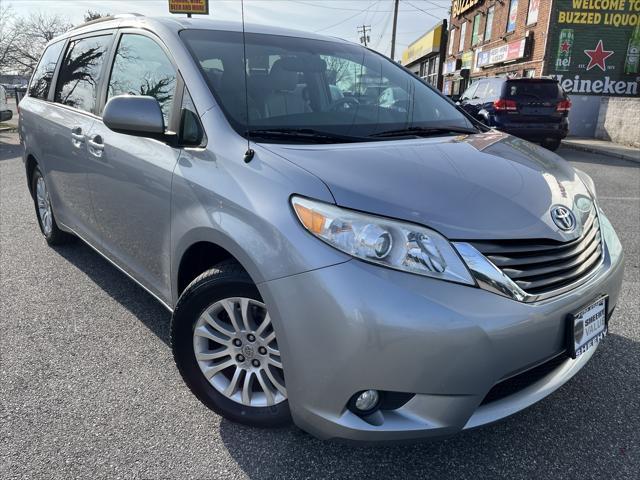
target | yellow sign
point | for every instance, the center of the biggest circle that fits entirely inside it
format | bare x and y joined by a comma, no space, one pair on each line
197,7
461,6
426,44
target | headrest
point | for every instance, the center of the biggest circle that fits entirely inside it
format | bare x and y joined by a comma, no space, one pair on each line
281,78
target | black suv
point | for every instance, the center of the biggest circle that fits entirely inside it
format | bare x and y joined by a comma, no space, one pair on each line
535,109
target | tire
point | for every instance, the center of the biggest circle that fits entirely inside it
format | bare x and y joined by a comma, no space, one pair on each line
199,319
44,212
552,144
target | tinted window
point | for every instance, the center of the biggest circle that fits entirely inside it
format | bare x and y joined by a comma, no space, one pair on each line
80,72
470,92
481,92
141,67
541,90
293,83
41,79
191,130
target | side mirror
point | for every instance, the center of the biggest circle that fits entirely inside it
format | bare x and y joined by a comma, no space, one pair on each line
134,115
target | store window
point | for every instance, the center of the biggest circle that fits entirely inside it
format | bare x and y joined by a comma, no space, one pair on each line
463,34
488,26
475,32
513,16
530,73
452,39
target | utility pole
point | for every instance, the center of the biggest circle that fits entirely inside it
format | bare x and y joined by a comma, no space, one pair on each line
364,37
395,27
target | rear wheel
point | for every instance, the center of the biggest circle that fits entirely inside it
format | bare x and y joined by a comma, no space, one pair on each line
46,220
551,144
226,348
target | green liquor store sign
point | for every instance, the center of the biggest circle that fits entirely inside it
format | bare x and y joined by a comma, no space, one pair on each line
594,46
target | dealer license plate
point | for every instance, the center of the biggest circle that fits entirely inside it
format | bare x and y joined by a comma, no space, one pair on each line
587,327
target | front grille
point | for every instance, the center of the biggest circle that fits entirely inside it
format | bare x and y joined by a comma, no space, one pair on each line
521,381
541,266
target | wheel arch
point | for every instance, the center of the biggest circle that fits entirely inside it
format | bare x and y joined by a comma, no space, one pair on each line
30,165
201,249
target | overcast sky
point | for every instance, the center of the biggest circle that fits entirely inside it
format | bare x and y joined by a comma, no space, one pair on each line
331,17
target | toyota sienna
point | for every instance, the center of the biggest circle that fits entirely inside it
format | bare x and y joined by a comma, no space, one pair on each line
370,267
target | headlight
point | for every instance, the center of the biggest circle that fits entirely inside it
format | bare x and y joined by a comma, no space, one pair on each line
393,244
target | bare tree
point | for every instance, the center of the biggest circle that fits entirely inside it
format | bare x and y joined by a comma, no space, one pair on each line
91,15
8,37
27,39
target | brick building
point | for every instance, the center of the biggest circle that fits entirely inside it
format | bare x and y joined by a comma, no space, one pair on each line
592,48
493,38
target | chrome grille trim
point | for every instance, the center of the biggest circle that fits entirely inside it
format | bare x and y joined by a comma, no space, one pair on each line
535,270
541,266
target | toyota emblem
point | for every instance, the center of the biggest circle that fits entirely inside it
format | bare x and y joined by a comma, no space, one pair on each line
563,217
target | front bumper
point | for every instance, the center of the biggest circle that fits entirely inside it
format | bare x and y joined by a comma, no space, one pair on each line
356,326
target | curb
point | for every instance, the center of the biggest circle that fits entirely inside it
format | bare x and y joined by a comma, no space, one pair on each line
601,151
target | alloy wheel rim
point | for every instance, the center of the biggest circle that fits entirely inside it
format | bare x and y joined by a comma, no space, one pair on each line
236,349
44,206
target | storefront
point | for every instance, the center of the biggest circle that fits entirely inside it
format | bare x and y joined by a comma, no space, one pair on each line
592,47
424,56
502,38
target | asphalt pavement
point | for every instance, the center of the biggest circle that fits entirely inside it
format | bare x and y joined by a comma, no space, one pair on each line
88,388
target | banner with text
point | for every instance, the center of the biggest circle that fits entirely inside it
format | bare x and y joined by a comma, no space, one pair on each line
594,46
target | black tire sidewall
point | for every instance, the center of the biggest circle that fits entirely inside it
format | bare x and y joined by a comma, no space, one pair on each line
34,183
193,302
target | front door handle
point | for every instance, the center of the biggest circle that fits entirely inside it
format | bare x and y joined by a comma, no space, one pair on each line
77,137
96,145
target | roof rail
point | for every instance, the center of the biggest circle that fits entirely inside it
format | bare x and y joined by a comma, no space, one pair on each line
107,18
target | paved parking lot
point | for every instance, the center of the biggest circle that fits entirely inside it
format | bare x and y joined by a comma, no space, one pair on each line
88,388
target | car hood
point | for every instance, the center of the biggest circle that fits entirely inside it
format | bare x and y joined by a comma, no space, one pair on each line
483,186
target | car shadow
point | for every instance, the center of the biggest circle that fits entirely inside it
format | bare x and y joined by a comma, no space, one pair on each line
119,287
577,429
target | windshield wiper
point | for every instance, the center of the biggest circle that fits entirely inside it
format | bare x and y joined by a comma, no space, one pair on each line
423,131
309,134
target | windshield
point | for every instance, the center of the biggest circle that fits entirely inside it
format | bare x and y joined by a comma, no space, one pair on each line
316,85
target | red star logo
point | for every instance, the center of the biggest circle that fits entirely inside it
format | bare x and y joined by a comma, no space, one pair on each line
598,56
565,46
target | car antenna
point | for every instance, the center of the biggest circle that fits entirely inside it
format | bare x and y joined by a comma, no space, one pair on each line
248,155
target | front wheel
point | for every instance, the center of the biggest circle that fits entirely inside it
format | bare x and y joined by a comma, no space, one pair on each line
226,349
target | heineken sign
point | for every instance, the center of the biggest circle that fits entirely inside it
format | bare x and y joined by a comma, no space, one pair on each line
594,46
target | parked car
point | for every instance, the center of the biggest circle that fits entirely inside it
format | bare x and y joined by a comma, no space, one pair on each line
535,109
5,111
370,272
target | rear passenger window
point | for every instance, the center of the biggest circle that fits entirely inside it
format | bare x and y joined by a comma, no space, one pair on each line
80,72
41,79
141,67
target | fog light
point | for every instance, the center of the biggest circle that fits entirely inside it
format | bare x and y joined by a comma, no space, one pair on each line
367,400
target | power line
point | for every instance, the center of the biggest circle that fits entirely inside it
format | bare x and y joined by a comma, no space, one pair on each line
359,12
346,9
423,11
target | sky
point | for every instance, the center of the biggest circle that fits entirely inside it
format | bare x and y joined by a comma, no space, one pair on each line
338,18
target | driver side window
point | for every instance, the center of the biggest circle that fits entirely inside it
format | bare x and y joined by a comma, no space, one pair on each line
141,67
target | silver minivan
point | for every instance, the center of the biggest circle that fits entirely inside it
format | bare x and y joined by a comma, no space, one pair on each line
370,267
